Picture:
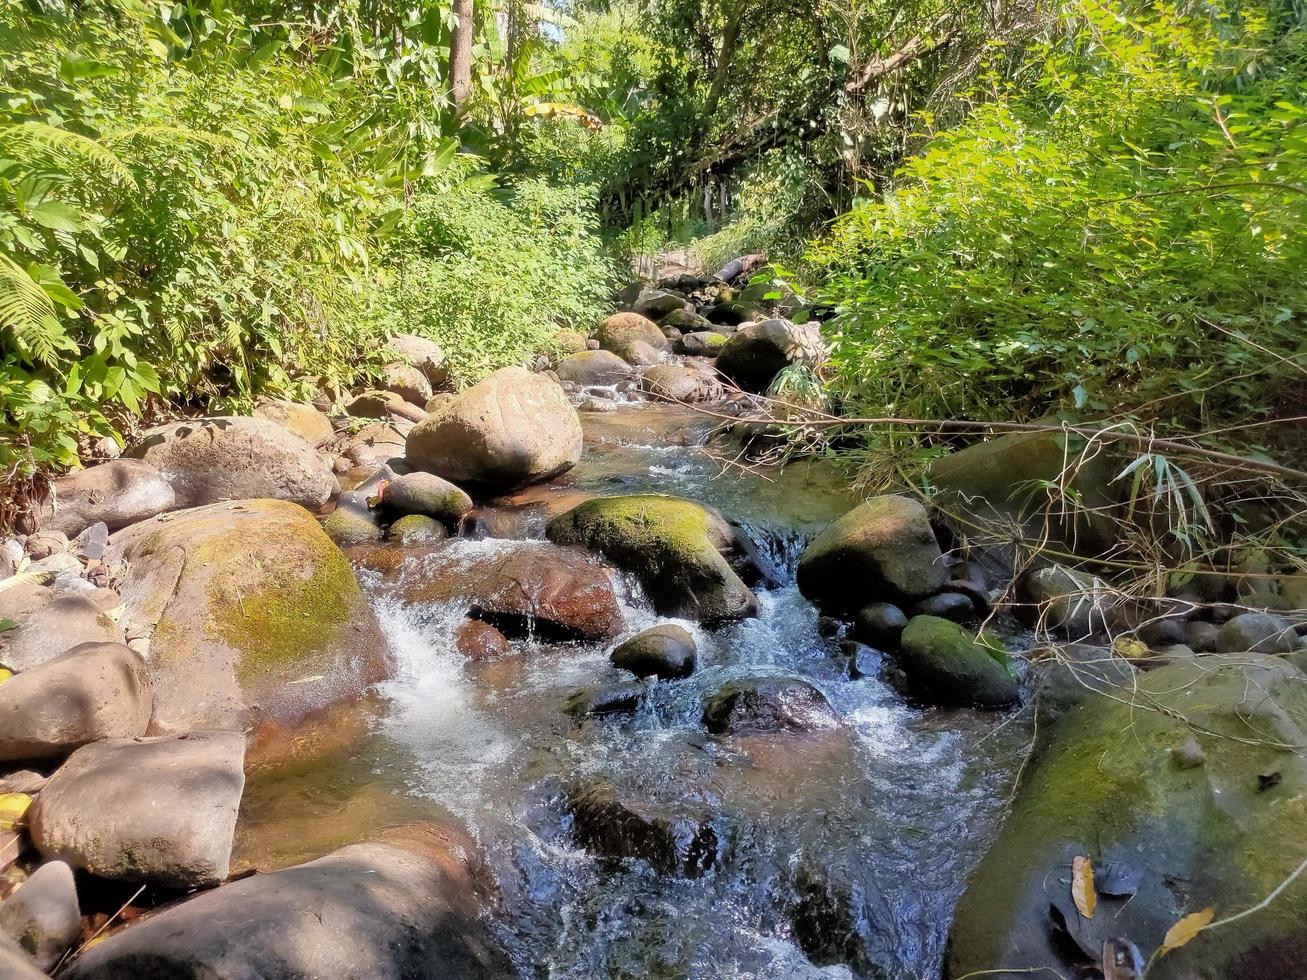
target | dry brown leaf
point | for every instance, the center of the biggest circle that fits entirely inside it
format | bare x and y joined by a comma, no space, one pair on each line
1082,886
1185,930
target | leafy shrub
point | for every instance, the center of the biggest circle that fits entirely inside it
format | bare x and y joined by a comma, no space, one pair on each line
1124,232
492,274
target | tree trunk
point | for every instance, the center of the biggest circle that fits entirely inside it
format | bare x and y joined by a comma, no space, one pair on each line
726,54
460,54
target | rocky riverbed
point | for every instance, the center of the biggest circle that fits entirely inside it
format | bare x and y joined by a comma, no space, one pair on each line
531,680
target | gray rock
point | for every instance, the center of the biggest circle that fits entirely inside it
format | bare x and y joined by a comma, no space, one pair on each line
666,651
621,332
384,405
412,529
701,343
47,542
42,915
405,908
657,303
158,810
880,624
90,544
1256,632
948,605
1061,598
235,458
674,839
949,666
23,781
1201,637
92,692
594,368
681,383
352,521
768,705
49,623
302,420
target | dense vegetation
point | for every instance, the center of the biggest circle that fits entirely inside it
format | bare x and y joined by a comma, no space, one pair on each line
1011,208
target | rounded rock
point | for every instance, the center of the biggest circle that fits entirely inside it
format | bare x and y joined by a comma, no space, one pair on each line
667,652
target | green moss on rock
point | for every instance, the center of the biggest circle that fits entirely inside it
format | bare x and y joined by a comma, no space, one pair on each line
950,666
666,542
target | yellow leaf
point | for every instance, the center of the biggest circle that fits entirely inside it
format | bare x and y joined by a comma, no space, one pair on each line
1130,649
1082,886
5,674
12,808
1185,930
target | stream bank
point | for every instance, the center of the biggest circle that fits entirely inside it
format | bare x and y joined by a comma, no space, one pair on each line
820,753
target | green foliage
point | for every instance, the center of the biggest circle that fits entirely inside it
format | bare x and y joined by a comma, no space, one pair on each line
1121,231
491,275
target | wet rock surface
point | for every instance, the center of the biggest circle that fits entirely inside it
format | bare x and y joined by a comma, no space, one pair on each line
768,705
666,651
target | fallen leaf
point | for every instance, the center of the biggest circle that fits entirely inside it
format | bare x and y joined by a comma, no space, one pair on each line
1082,886
12,808
1130,649
1185,930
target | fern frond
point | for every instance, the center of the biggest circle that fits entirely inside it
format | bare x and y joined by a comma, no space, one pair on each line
161,134
28,312
59,148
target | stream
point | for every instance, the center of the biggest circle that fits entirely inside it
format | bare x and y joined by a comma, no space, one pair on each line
840,854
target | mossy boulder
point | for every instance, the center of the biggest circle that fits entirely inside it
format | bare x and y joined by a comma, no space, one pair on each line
352,521
1188,782
622,331
570,341
673,546
414,529
882,550
1004,481
701,343
428,494
686,320
949,666
253,613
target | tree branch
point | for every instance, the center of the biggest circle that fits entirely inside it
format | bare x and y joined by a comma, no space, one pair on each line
923,43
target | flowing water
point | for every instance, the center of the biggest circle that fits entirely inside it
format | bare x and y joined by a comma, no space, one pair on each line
834,855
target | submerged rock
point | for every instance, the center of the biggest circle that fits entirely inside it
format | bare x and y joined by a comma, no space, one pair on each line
158,810
94,691
481,641
1223,831
666,651
674,840
512,429
42,916
407,906
768,705
563,593
254,613
754,355
881,550
611,699
117,493
949,666
670,544
235,458
49,623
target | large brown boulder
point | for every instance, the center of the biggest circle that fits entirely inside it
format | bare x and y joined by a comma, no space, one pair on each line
157,810
622,331
298,418
253,613
116,493
407,382
94,691
562,593
407,906
512,429
48,624
754,355
882,550
673,546
235,458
